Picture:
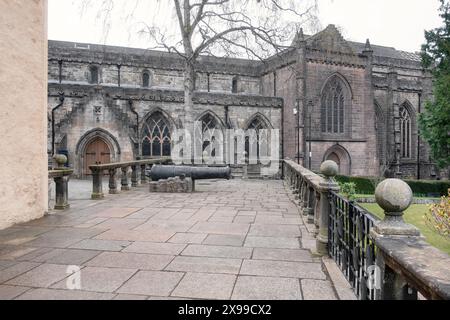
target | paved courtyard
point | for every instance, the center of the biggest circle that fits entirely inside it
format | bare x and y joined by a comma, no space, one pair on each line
229,240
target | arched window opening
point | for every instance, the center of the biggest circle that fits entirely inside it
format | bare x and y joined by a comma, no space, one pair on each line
405,133
333,107
146,79
234,85
252,140
93,74
211,135
156,140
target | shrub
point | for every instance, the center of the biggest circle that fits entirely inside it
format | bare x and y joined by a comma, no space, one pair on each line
348,189
438,216
424,188
362,185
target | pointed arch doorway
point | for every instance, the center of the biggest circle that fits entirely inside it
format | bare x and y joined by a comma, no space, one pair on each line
97,152
340,155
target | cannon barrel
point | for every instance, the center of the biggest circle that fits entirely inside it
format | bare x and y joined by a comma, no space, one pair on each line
196,173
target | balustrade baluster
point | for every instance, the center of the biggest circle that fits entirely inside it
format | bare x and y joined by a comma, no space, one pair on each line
124,180
113,181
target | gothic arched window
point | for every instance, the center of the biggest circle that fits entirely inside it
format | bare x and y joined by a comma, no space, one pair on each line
146,79
211,134
156,138
333,106
252,145
405,132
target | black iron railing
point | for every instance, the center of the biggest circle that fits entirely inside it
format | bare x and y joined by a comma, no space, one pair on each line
350,245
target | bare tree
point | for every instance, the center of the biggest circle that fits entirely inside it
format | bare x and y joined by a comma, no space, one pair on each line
227,28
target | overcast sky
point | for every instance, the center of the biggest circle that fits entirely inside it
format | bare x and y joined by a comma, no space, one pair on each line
394,23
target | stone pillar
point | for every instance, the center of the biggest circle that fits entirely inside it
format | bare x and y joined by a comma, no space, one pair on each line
144,179
134,176
97,184
124,180
329,169
113,181
62,193
393,196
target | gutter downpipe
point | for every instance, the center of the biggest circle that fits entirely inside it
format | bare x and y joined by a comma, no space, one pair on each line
61,102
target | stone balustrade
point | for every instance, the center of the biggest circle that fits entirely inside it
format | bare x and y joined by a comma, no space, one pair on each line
61,178
312,192
138,176
389,258
406,263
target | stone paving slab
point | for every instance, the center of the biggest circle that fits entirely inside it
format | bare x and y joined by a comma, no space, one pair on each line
205,286
265,230
16,270
220,228
287,269
182,237
10,292
317,290
224,240
282,254
155,248
42,276
266,288
103,245
67,256
56,294
157,283
131,260
217,251
230,239
272,242
100,279
203,264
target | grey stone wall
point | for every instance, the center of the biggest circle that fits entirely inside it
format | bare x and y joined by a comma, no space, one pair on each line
380,80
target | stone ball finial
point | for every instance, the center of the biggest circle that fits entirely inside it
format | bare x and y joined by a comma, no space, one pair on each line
394,196
60,159
329,168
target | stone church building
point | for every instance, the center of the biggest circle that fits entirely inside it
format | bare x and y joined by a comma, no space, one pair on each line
354,103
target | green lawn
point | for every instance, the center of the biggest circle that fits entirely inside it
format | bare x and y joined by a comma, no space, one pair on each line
415,216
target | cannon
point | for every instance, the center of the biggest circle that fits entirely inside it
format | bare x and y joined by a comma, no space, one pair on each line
195,173
187,175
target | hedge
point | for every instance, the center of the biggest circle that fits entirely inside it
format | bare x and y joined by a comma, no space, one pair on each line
420,188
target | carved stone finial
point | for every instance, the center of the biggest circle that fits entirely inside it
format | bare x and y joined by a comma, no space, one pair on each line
394,196
329,169
60,160
368,47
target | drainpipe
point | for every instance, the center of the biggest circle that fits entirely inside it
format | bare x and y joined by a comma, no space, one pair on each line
130,103
61,102
418,137
60,70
